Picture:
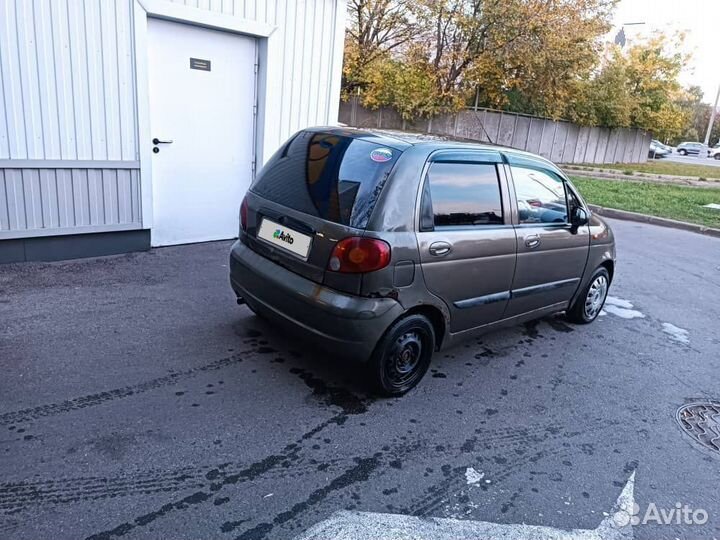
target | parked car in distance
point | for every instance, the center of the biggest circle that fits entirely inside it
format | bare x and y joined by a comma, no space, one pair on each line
714,152
384,249
658,150
690,148
661,145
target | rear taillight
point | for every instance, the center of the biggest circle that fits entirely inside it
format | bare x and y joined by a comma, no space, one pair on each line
243,213
358,255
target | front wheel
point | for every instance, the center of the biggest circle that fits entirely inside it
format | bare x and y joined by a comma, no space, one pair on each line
682,152
717,156
402,356
590,302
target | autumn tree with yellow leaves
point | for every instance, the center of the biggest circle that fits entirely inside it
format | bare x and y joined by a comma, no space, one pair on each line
425,57
541,57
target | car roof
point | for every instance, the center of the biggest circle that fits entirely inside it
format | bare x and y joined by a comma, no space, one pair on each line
402,140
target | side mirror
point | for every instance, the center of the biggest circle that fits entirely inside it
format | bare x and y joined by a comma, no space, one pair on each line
578,217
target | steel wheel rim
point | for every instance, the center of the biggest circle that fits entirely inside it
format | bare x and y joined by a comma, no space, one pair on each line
404,360
596,297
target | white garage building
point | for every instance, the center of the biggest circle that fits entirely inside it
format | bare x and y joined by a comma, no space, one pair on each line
131,123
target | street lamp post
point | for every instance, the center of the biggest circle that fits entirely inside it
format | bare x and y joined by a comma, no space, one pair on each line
620,37
712,118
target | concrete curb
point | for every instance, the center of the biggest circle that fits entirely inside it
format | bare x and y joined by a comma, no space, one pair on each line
638,174
654,220
675,181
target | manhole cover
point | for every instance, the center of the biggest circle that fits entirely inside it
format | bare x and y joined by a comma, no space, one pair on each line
701,420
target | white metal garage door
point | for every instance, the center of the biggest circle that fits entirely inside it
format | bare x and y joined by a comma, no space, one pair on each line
202,92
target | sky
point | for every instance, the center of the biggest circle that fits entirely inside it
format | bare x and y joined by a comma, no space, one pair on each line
700,19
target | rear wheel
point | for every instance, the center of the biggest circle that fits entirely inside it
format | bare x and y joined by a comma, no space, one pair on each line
717,156
402,356
590,302
682,152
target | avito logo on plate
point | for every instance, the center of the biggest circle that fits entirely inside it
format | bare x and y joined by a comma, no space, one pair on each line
281,235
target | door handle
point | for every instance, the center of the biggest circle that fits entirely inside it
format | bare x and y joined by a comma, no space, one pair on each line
532,241
439,248
158,141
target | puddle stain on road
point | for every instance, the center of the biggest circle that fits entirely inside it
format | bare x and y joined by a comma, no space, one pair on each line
621,308
676,333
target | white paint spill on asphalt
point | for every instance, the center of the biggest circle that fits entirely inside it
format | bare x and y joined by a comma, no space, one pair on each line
624,313
676,333
621,308
347,525
472,476
619,302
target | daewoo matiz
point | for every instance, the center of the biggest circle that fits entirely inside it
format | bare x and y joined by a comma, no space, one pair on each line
385,248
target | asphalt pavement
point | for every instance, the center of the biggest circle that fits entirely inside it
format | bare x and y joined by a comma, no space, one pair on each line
691,160
137,400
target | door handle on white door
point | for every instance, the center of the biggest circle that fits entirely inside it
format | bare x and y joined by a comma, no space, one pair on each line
158,141
439,248
532,241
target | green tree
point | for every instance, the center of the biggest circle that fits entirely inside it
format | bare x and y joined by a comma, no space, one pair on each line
376,28
520,51
637,87
542,57
559,46
699,117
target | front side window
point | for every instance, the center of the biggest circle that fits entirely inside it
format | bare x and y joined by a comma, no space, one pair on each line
464,194
540,195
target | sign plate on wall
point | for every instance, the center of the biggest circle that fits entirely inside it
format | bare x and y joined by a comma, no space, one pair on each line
197,63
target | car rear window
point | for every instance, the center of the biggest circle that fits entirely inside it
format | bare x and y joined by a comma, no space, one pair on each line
328,175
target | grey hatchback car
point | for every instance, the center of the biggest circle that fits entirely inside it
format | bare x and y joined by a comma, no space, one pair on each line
385,248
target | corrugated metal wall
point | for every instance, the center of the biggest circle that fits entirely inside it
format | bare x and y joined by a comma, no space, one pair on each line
307,30
68,80
61,201
69,111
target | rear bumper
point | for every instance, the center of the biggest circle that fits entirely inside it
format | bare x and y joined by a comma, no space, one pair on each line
346,325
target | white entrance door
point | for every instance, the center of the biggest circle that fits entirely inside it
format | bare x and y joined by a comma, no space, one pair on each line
202,85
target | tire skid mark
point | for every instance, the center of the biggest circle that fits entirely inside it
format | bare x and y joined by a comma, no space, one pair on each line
19,496
9,526
91,400
505,472
276,465
456,482
290,454
361,472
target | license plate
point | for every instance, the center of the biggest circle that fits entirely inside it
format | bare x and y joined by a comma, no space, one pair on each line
285,238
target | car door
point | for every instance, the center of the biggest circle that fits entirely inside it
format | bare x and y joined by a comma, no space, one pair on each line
465,236
551,253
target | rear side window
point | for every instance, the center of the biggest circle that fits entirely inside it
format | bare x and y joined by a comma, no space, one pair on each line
464,194
328,175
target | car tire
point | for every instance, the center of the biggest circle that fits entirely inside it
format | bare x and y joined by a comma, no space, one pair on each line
682,152
402,356
717,156
591,299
